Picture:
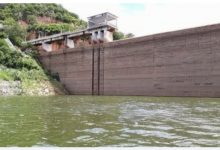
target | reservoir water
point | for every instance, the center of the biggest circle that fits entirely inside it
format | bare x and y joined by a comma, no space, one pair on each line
109,121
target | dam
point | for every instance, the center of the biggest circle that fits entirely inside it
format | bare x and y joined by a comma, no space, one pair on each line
178,63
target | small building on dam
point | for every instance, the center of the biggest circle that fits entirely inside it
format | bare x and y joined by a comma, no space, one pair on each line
100,29
178,63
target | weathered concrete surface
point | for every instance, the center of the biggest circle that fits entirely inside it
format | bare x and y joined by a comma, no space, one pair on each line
180,63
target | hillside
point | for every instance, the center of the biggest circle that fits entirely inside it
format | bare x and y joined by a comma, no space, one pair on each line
20,72
28,21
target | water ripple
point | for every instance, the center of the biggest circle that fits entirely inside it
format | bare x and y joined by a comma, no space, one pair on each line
109,121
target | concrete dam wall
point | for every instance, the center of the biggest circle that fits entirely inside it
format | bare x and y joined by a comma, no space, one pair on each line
179,63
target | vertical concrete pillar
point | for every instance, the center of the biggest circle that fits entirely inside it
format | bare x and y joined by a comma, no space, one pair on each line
99,37
70,43
95,36
47,47
108,36
102,35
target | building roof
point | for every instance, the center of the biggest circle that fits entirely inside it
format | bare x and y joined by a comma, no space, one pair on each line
103,16
101,20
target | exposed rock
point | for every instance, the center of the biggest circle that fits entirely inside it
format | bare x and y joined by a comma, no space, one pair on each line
34,88
9,88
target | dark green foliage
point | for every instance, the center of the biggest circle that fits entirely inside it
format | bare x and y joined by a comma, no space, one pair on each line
3,35
31,19
49,29
14,31
15,59
16,34
15,65
24,11
118,36
55,76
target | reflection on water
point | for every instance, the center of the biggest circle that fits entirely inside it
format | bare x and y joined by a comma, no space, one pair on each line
109,121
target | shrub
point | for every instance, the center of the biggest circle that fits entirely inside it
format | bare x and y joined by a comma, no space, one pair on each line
52,28
5,76
14,31
31,19
2,35
15,59
118,35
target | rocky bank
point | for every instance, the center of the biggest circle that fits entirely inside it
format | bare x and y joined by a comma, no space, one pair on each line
33,88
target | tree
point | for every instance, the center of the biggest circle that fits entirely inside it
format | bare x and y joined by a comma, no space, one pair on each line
118,36
129,35
31,19
14,31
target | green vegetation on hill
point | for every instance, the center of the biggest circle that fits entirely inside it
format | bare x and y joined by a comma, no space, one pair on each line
16,65
53,28
28,12
14,31
19,21
12,14
15,59
19,66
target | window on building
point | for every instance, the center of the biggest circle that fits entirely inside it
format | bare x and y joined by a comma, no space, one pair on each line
102,34
96,34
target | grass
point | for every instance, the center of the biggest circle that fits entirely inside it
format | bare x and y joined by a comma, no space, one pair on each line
5,76
33,82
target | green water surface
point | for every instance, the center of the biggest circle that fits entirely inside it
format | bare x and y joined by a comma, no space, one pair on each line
109,121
